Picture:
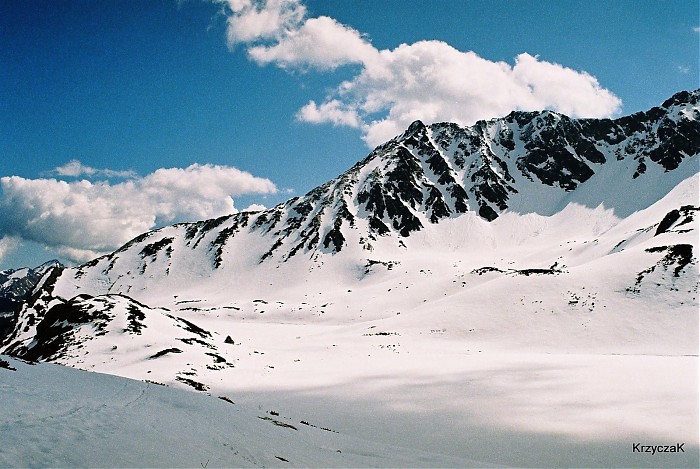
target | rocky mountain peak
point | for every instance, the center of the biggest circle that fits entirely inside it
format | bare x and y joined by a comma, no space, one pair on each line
534,165
15,284
416,127
433,172
683,98
525,162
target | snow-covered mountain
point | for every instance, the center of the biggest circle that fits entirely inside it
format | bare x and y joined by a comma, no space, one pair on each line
554,249
15,286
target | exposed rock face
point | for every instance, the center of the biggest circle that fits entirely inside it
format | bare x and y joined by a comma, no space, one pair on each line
440,171
15,288
443,170
420,178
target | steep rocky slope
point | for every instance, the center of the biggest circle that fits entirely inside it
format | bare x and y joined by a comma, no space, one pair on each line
15,287
439,211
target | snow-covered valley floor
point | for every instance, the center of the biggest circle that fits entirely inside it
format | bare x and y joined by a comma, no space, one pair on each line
446,406
54,416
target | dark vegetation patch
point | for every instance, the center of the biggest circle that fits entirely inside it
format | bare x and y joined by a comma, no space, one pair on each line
193,340
304,422
151,250
191,231
528,272
679,255
190,327
641,169
6,365
436,205
686,212
303,221
165,352
217,358
240,220
278,423
668,221
553,270
196,385
204,227
440,168
272,250
335,237
371,263
134,317
485,270
187,301
154,382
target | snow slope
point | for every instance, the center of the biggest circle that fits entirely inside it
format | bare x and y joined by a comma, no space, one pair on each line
58,417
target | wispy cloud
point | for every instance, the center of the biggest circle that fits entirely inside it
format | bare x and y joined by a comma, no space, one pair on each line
82,219
427,80
75,168
696,29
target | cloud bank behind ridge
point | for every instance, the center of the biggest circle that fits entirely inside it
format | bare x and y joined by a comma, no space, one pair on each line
427,80
82,219
387,90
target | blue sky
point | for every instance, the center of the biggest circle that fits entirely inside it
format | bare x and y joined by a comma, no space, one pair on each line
118,116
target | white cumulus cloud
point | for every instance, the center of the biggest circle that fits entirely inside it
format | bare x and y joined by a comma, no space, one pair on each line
428,80
82,219
332,111
7,245
251,20
321,42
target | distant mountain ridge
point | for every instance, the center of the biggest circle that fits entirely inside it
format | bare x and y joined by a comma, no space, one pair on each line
440,171
15,286
434,191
